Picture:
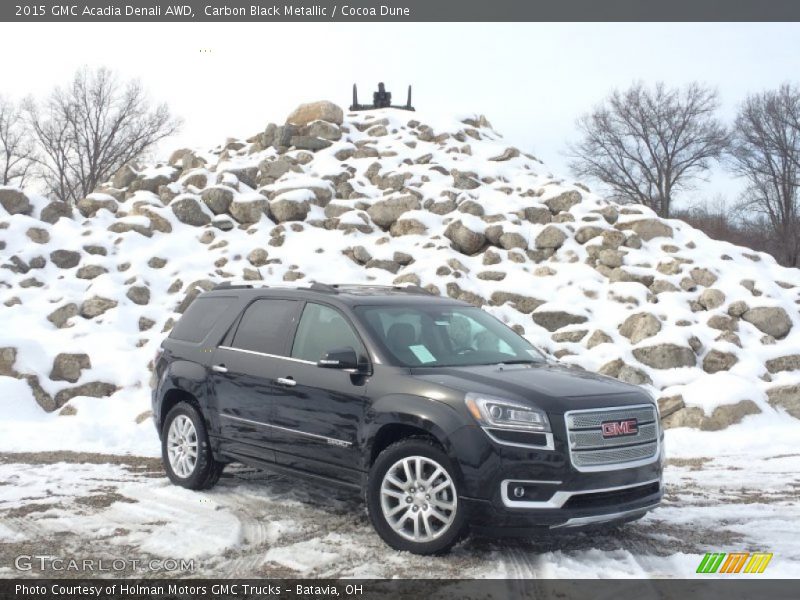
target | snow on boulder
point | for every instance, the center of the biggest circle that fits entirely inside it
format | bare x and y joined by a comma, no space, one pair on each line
647,229
665,356
292,205
248,208
772,320
707,327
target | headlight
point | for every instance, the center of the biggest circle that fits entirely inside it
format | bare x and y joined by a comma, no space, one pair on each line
497,412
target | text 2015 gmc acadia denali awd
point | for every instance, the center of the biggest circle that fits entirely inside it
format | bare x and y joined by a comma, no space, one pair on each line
442,415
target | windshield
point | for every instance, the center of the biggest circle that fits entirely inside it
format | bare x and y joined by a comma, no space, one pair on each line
445,336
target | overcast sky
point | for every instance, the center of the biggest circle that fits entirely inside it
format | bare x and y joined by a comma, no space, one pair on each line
531,80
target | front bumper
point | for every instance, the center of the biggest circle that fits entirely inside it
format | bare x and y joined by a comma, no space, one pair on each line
515,491
566,509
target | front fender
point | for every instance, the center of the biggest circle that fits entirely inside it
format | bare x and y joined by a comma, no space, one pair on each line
435,418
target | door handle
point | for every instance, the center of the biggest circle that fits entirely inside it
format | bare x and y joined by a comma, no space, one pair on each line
286,381
219,368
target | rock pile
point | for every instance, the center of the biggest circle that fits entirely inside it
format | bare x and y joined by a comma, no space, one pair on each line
382,197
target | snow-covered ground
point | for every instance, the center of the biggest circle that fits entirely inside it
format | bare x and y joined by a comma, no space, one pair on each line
256,524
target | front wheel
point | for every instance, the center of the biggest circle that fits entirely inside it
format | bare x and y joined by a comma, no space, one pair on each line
185,450
412,498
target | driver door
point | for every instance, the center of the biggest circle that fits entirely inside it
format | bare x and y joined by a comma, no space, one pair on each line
317,416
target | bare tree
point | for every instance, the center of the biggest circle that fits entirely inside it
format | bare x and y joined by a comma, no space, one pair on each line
93,127
766,152
648,144
16,147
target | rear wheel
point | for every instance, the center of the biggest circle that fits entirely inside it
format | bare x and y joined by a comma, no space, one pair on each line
185,450
412,498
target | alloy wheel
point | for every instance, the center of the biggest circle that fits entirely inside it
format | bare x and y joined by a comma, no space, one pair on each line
182,446
418,498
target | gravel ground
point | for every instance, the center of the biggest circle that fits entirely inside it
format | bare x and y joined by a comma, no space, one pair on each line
257,524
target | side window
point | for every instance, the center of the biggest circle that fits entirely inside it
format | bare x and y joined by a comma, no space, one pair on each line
199,318
264,326
320,330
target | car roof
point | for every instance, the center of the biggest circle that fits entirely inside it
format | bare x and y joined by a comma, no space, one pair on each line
344,294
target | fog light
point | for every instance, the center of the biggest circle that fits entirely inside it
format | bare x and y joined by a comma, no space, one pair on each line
519,491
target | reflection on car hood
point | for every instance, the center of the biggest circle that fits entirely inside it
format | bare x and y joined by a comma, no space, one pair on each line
551,387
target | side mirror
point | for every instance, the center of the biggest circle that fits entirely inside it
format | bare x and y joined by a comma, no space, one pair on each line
340,358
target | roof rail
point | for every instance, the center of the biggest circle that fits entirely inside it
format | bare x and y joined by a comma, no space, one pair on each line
227,285
324,287
338,288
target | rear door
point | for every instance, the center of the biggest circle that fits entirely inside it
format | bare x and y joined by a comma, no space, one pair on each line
318,411
243,374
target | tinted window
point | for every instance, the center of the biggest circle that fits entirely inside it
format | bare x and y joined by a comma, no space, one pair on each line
321,330
264,326
199,318
437,336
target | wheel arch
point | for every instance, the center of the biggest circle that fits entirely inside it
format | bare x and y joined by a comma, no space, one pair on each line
401,416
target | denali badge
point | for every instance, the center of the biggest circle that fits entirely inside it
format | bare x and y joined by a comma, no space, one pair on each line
619,428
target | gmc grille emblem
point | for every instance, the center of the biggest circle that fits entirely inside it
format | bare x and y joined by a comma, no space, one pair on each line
613,429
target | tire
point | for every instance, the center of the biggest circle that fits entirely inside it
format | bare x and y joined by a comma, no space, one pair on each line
417,521
184,430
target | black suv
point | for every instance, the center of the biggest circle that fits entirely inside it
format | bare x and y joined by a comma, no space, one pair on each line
444,417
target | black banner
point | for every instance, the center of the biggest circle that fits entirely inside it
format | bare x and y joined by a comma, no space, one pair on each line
400,10
368,589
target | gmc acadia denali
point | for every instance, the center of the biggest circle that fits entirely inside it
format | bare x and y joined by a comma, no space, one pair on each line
444,417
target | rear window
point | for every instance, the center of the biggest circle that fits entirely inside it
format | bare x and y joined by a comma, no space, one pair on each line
199,318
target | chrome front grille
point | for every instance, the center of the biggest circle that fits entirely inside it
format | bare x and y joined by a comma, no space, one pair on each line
589,450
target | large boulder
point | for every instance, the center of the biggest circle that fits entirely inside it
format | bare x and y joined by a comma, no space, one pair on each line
711,298
551,237
324,130
524,304
316,111
385,212
784,363
307,142
647,229
285,209
722,417
188,210
94,389
408,227
96,306
640,326
665,356
89,206
54,211
464,239
15,202
248,209
771,320
218,199
563,202
65,259
786,397
138,294
587,232
717,360
8,356
124,177
68,367
60,317
553,320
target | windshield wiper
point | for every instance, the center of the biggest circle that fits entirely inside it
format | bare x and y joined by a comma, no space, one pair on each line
521,361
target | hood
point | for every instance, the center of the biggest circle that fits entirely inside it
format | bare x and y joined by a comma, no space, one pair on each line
555,388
